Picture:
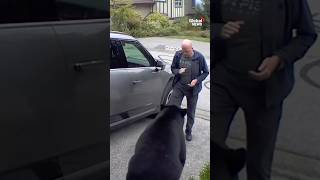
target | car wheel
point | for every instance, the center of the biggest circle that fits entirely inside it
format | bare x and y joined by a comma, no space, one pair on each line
167,93
165,97
168,97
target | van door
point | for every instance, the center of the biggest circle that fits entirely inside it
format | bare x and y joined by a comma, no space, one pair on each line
32,76
82,34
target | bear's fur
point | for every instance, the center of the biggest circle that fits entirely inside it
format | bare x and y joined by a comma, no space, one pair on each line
160,152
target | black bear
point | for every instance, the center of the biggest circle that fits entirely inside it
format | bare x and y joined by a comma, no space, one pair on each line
227,162
160,151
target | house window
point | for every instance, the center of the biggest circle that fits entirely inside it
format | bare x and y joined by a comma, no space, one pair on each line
178,3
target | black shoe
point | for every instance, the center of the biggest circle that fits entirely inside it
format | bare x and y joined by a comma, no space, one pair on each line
188,137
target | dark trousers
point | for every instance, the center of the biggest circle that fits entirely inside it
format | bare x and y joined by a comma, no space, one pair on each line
231,91
179,91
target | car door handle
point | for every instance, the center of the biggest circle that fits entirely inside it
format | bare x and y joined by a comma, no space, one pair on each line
136,81
79,66
156,70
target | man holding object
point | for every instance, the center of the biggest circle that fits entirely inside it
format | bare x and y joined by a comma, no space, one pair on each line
190,69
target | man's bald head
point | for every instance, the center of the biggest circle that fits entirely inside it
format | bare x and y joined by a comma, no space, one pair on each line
186,43
186,47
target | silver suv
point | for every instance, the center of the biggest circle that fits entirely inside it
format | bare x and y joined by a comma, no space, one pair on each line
139,84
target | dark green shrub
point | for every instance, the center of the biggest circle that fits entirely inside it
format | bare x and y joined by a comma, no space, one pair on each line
125,18
157,20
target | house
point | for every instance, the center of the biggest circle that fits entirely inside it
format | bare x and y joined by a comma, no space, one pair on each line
171,8
144,7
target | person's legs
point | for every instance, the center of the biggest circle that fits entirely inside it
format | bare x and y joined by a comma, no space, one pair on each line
223,111
191,109
262,127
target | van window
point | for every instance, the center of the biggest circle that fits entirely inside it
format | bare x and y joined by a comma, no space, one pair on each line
82,9
21,11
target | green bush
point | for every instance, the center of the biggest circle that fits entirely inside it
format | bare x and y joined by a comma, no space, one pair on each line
205,34
125,19
157,20
169,31
183,23
205,172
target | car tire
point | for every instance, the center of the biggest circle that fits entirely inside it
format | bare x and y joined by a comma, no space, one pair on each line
167,93
165,97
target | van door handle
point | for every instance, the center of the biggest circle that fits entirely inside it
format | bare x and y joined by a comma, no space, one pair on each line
79,66
136,81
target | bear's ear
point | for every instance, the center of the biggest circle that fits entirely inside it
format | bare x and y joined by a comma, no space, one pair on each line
162,107
183,112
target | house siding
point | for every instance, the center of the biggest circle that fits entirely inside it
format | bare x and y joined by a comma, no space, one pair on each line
144,9
168,8
189,7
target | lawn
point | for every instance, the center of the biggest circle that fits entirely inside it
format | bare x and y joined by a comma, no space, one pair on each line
194,38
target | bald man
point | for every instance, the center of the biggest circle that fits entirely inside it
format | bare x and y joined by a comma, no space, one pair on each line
190,69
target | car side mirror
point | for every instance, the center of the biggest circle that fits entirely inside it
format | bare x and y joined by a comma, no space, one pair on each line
161,64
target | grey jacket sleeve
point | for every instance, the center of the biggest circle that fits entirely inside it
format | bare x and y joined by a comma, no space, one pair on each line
304,38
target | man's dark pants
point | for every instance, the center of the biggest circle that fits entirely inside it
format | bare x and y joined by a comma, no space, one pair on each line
231,91
179,91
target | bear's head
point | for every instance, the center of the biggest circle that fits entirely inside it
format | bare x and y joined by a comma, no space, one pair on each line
173,109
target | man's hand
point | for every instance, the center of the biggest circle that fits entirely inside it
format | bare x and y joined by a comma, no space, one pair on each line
182,70
231,28
266,69
193,83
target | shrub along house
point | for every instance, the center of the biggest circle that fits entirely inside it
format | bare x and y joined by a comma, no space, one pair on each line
171,8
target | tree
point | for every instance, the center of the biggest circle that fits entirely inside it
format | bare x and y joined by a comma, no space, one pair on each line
124,17
206,7
203,10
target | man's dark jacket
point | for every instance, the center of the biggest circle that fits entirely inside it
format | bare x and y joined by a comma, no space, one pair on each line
199,69
278,20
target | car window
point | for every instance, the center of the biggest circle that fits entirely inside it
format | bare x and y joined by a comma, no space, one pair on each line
22,11
134,55
116,61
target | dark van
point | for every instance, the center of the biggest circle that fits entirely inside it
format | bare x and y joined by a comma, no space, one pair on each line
53,89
